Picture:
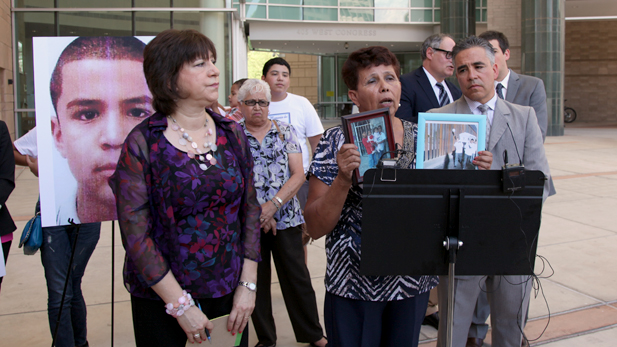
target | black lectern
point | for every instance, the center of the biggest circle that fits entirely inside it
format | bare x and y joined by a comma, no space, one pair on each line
423,222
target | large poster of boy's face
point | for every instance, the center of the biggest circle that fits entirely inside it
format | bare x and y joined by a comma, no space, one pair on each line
90,93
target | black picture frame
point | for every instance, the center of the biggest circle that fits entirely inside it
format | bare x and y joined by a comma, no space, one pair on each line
356,125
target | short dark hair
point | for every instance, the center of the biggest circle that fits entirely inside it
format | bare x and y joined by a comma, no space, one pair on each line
275,61
98,47
471,42
240,82
433,41
499,36
165,56
365,58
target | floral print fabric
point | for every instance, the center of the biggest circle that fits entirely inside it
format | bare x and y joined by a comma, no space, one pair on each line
200,225
343,244
271,170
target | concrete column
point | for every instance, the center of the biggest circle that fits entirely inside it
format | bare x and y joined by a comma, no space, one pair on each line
458,18
212,24
505,16
542,53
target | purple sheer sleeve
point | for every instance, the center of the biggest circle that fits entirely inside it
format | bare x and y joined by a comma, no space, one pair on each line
251,209
130,184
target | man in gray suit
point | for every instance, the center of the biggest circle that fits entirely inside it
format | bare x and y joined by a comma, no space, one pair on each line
518,89
476,71
521,90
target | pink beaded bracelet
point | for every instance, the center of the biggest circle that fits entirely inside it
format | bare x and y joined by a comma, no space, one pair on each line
184,303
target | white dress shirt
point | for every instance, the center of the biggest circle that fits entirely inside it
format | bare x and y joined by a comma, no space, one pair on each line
473,106
504,83
436,89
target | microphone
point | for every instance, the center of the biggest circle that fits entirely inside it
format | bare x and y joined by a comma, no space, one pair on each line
513,175
515,146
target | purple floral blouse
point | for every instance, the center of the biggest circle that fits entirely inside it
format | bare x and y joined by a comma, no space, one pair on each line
174,216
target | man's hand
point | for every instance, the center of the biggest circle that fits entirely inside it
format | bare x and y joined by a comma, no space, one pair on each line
483,160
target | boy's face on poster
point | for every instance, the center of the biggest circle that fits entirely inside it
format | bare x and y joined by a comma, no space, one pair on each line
100,103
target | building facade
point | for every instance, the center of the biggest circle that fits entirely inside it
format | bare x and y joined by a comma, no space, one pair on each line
315,36
32,18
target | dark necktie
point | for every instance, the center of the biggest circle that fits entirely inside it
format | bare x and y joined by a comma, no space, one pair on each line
443,96
500,90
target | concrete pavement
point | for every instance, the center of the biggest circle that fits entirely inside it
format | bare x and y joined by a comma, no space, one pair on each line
576,306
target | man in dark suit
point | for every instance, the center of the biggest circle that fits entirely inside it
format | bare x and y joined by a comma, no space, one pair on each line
476,72
426,88
518,89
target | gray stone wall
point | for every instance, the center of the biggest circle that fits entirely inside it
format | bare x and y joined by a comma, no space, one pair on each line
505,16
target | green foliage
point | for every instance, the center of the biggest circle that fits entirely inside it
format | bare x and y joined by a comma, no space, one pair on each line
256,61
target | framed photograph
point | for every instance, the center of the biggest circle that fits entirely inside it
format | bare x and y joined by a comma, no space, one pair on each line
449,141
372,132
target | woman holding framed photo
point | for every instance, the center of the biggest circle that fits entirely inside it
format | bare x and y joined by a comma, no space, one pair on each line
364,310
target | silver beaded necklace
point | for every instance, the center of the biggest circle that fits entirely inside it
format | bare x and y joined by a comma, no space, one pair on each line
204,159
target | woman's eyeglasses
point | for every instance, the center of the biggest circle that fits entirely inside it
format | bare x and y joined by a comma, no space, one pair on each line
253,102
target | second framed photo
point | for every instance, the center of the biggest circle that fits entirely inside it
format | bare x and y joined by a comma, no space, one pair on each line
372,132
449,141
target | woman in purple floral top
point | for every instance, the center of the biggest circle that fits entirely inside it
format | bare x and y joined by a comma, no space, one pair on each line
187,206
278,176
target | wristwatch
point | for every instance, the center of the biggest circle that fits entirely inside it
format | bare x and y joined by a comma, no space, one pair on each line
251,286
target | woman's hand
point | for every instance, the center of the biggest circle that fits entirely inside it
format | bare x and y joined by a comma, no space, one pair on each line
348,159
270,225
267,212
194,322
244,303
483,160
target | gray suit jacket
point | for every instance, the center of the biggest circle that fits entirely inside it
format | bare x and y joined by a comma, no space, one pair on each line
529,91
525,136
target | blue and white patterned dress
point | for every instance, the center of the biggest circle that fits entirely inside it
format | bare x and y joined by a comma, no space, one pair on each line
343,243
271,170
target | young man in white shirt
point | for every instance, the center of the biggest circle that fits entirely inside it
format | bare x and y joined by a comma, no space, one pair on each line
295,110
291,108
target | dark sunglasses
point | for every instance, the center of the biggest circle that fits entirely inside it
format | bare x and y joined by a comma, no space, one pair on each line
253,102
448,53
